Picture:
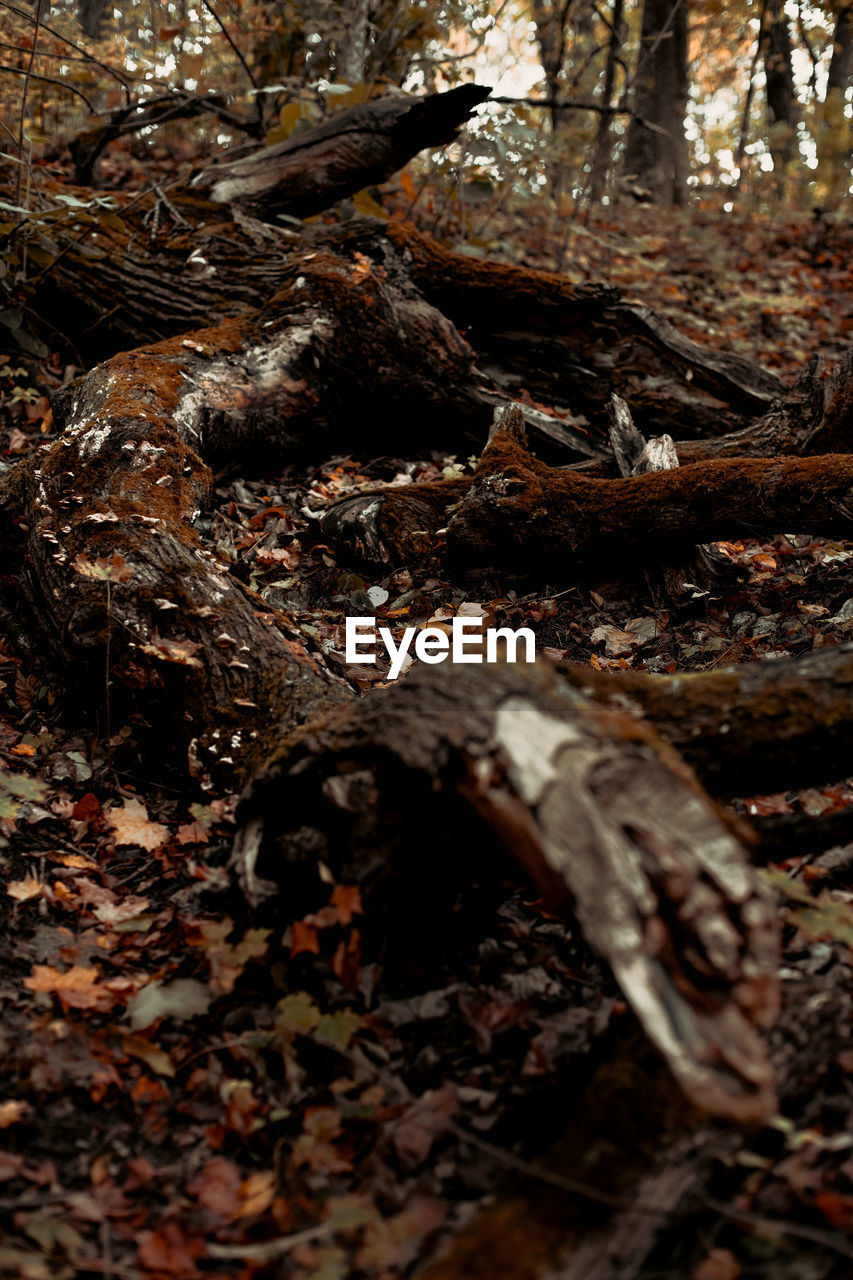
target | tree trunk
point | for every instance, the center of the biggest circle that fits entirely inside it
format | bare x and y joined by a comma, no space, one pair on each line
782,108
835,138
656,149
519,510
118,579
351,51
603,141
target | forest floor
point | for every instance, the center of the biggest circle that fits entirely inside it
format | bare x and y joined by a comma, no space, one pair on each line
182,1085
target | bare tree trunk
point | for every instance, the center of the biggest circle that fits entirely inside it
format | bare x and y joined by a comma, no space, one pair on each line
656,149
750,94
603,141
835,139
782,107
551,19
352,50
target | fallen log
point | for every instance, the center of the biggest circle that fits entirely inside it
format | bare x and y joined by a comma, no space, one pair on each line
746,730
574,345
393,526
357,148
135,270
519,510
118,579
596,809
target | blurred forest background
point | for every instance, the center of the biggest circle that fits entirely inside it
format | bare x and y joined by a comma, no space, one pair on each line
617,132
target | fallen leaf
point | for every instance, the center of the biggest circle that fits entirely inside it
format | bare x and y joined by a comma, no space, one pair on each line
347,899
216,1186
23,890
183,999
76,988
132,826
304,938
170,1252
12,1112
157,1059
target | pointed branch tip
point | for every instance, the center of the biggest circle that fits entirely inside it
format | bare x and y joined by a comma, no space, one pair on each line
508,420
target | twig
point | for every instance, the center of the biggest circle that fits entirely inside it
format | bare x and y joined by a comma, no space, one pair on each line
567,104
270,1249
228,37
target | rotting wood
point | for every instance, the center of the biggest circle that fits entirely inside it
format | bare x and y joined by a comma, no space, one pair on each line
748,729
596,809
519,509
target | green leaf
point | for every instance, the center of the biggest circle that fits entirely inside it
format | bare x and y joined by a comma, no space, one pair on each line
338,1029
298,1013
181,1000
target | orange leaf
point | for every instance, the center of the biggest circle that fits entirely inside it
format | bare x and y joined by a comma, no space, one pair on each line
347,899
131,826
77,988
304,938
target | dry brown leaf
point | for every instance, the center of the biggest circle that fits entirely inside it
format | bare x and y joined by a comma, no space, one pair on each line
23,890
76,988
132,826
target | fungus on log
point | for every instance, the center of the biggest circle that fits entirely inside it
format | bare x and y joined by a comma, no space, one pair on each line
117,575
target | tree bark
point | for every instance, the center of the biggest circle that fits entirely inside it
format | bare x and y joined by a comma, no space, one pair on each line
746,730
519,510
656,149
782,107
600,812
835,139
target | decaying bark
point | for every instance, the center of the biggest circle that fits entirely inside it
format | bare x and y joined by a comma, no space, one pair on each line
686,575
357,148
815,416
112,558
599,812
746,730
519,510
